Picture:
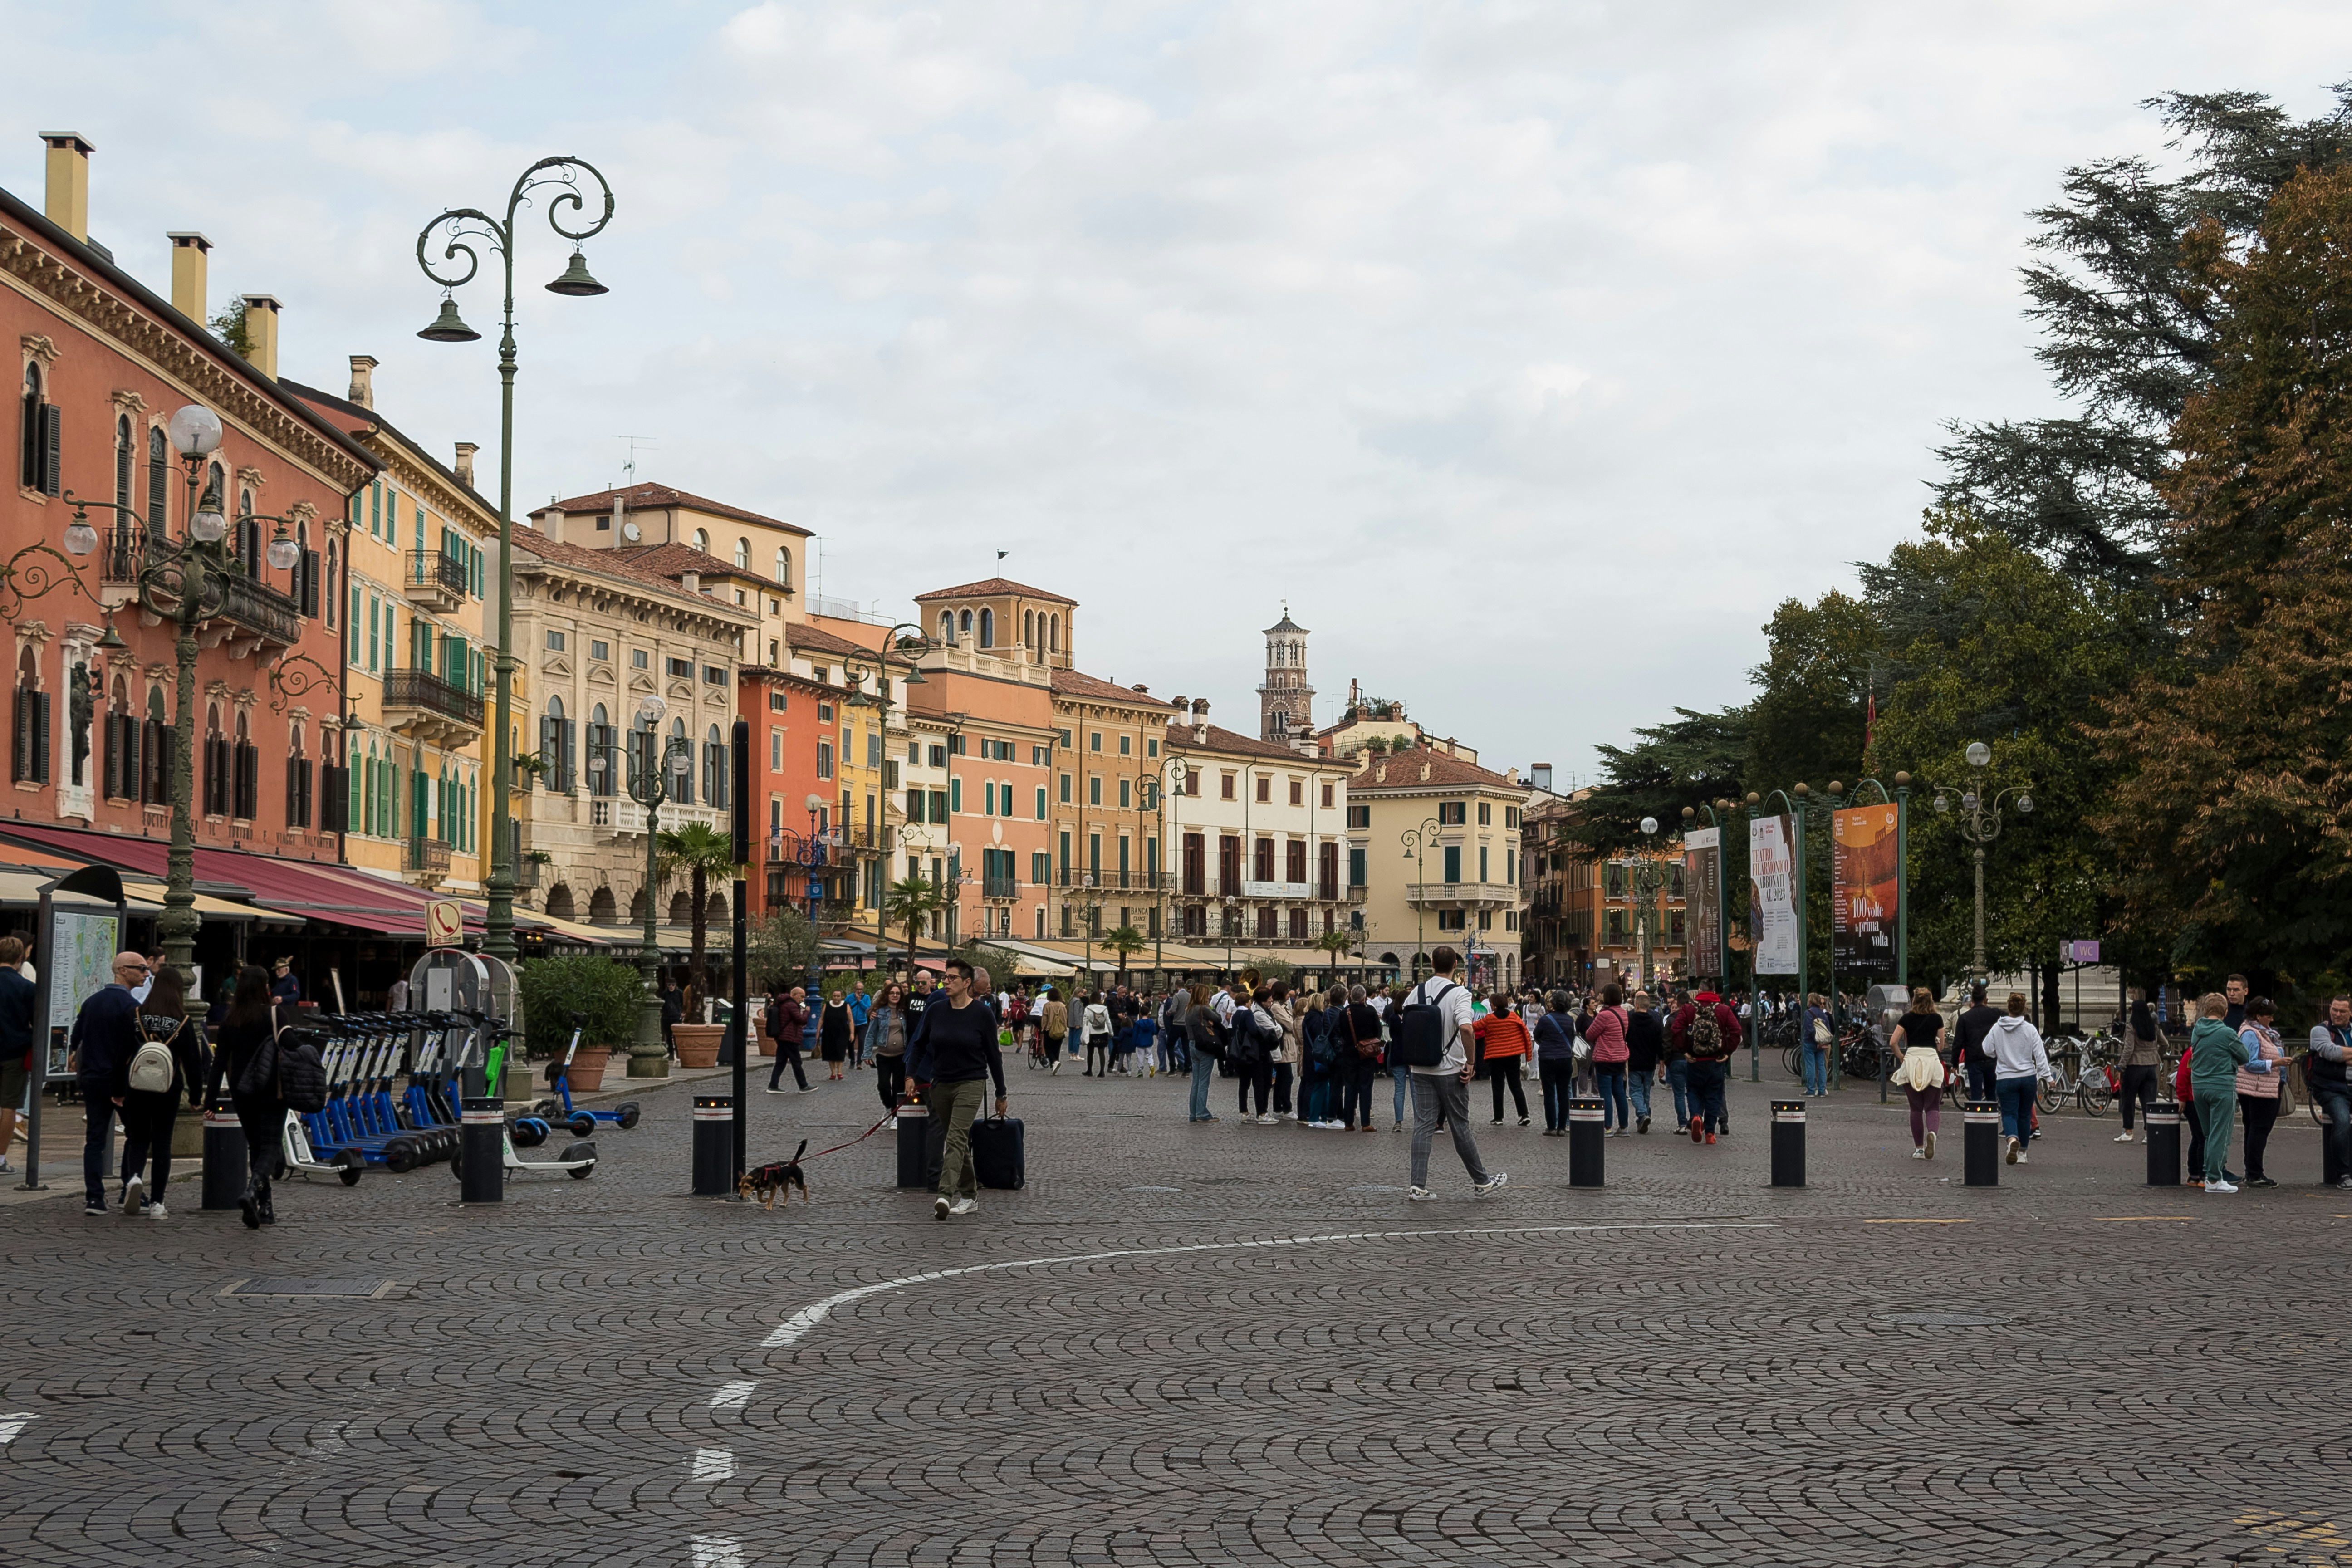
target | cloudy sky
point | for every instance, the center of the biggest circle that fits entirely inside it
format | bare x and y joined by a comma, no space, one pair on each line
1531,351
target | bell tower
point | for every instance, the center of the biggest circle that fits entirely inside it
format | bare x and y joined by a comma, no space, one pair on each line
1285,701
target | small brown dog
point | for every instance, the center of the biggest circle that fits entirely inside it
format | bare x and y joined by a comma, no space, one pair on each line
768,1183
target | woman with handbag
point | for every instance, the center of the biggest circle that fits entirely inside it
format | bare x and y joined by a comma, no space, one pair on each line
1922,1070
148,1115
1206,1042
248,1061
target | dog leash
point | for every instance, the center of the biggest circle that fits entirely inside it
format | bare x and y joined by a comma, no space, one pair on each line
861,1138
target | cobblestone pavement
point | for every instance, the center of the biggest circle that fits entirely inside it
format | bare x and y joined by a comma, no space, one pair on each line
1213,1344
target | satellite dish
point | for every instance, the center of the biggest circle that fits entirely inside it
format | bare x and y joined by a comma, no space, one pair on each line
631,532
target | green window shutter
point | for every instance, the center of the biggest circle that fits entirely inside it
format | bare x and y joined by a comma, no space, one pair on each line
374,608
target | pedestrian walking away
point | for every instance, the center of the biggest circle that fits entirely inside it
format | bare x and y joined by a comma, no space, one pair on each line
1095,1022
1817,1037
2219,1054
1677,1065
1972,1034
171,1062
105,1035
20,1007
1710,1033
2019,1066
960,1036
1556,1061
1432,1036
246,1061
1606,1035
2142,1066
1919,1033
2328,1072
1645,1044
787,1018
1503,1043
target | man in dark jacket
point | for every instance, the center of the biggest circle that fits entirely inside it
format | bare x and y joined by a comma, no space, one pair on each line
105,1037
1645,1046
787,1017
1974,1025
20,1004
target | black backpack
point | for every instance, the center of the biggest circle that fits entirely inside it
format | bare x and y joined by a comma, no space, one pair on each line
1419,1028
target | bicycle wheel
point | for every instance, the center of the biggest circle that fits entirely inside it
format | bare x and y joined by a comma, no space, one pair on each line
2092,1096
2047,1097
1790,1062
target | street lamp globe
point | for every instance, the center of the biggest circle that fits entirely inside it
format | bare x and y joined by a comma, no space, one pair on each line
80,537
1943,803
283,552
1979,754
1649,824
207,526
195,431
2025,805
650,708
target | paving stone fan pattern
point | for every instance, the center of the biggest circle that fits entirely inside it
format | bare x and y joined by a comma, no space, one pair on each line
1197,1344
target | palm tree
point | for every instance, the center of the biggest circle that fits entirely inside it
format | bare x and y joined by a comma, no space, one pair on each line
700,851
1124,941
910,901
1338,943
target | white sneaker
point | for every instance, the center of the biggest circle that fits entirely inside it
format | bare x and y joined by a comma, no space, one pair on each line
940,1205
2221,1187
2014,1154
134,1197
2123,1137
1931,1142
964,1205
1269,1119
1493,1183
1057,1064
157,1211
1918,1153
894,1124
1418,1194
2024,1158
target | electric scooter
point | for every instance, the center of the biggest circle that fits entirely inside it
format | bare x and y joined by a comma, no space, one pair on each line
578,1160
581,1119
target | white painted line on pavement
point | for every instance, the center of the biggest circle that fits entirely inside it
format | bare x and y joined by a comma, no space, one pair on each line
714,1465
732,1395
717,1551
13,1423
793,1329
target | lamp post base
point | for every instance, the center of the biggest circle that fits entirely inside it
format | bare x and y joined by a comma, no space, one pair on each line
648,1064
648,1058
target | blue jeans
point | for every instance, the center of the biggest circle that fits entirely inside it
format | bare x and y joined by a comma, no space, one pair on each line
1816,1068
1203,1070
1706,1103
1404,1080
1640,1083
1558,1076
1678,1077
2336,1104
1610,1078
2017,1109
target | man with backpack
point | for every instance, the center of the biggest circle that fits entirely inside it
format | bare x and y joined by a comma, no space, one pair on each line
1710,1032
1434,1041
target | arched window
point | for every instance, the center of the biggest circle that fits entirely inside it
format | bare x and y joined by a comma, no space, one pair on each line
216,786
330,593
784,567
604,780
681,784
702,540
158,479
988,628
743,555
714,769
964,623
947,627
30,466
1029,629
1052,634
124,456
248,534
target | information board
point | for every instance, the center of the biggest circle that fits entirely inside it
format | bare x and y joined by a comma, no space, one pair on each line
81,964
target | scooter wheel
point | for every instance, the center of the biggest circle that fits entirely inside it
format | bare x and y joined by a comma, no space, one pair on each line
400,1157
458,1164
629,1114
582,1172
352,1166
529,1133
582,1124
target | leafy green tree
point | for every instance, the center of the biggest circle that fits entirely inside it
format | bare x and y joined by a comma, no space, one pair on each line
780,950
701,852
1695,757
1812,693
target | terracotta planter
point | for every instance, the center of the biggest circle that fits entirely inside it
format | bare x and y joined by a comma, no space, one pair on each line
697,1044
587,1073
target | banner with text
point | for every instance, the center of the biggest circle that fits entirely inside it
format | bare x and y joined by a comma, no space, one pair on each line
1703,902
1771,897
1864,877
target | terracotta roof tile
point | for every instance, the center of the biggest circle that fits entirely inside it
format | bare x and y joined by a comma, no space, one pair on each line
818,640
1077,683
653,496
530,541
993,587
1404,771
673,559
1180,735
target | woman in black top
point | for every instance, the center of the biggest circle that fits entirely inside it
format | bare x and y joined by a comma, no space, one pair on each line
247,1032
833,1033
148,1114
1919,1034
2143,1066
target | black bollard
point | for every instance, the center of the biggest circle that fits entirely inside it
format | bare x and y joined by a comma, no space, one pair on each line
1981,1142
1585,1135
714,1145
1788,1142
225,1165
482,1140
914,1144
2163,1121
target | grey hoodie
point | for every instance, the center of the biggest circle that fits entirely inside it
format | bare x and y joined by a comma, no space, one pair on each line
2016,1047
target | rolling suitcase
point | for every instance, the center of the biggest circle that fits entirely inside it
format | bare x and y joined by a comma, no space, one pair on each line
997,1153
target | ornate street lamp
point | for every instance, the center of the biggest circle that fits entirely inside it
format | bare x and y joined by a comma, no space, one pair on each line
1416,840
467,225
1980,825
909,647
1647,875
652,764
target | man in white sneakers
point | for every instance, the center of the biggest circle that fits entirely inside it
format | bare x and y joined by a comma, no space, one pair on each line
1433,1039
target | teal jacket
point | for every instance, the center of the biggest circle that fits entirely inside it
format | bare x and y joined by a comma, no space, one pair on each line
2215,1055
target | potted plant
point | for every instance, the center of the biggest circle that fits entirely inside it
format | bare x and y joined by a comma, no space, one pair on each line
555,987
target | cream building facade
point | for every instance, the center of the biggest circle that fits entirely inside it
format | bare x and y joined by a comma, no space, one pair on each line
1258,842
1434,847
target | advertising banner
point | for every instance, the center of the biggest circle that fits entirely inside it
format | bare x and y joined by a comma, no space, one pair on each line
1864,874
1771,898
1703,902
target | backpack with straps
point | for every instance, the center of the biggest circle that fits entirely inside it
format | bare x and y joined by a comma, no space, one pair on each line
1706,1036
1421,1028
152,1068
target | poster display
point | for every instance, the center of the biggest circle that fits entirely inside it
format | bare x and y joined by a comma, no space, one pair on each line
82,965
1771,897
1703,902
1864,878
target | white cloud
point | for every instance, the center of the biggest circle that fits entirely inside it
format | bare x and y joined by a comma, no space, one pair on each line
1531,350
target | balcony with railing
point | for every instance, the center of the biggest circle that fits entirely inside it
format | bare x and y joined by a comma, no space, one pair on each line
419,703
267,620
1461,895
435,581
428,859
1000,887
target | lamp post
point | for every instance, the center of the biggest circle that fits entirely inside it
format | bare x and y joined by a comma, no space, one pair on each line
1416,840
648,785
910,648
1233,911
472,225
1648,875
1980,825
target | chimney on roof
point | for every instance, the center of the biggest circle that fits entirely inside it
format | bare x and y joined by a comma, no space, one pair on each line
362,390
465,469
550,523
1180,705
261,333
189,252
1144,688
1200,721
691,581
67,202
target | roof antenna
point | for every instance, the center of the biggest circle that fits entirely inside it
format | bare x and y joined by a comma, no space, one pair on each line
629,468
